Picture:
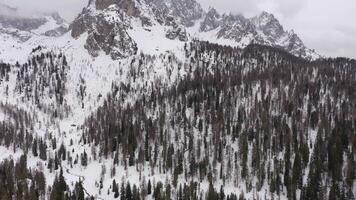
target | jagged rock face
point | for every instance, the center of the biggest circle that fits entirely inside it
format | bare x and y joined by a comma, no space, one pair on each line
186,12
236,28
263,29
269,25
126,5
178,32
56,32
106,31
275,35
211,21
177,16
103,4
296,46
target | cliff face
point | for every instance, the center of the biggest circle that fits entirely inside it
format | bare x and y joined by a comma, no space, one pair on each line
104,22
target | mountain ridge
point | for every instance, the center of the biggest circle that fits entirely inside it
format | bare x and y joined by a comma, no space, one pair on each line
182,15
178,18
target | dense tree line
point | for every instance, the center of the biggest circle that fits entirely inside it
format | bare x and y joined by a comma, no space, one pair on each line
20,182
4,71
43,77
16,130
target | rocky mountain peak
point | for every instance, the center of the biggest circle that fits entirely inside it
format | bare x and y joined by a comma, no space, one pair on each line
186,12
268,24
211,20
236,28
262,29
106,23
129,6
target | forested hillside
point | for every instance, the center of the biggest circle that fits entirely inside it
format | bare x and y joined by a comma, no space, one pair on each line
254,123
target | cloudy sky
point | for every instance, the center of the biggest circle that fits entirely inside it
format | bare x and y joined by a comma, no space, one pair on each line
328,26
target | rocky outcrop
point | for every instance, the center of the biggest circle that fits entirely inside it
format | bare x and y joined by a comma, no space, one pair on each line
177,32
128,6
56,32
185,12
236,28
275,35
103,4
211,21
269,25
106,30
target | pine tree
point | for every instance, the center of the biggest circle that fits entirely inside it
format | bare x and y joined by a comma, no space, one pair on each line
147,150
62,152
84,159
135,193
297,171
222,194
34,148
287,166
335,193
79,191
212,194
115,189
149,187
59,188
43,150
56,162
243,154
122,192
128,193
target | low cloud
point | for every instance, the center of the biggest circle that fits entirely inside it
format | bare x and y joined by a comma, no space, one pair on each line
244,7
289,8
286,8
67,8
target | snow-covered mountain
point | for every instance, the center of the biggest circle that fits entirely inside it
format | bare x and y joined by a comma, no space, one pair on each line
20,32
130,101
22,26
181,20
107,21
263,29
